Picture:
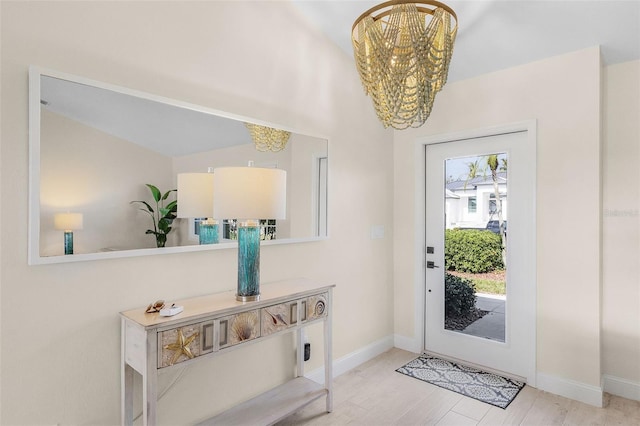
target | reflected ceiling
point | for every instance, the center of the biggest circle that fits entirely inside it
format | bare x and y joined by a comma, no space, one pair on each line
157,126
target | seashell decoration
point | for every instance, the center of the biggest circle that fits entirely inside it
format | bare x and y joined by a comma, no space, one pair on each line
317,306
318,309
275,318
244,327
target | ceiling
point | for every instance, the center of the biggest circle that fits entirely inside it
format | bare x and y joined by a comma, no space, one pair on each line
494,35
162,126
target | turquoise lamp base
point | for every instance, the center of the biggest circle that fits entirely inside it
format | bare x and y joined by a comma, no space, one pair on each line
209,233
68,242
248,262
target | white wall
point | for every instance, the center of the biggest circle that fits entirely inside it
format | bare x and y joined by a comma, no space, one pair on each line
563,94
256,59
621,230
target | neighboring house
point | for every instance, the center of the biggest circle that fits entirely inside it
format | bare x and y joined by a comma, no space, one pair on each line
471,203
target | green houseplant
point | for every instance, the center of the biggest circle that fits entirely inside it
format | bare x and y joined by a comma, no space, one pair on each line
162,216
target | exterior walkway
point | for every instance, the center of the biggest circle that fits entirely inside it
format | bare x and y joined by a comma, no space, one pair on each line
492,325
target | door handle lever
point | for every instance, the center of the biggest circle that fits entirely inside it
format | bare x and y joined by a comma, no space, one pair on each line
431,264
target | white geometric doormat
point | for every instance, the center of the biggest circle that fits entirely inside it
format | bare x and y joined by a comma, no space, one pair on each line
486,387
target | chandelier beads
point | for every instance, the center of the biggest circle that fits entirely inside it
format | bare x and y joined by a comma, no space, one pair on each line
267,138
403,55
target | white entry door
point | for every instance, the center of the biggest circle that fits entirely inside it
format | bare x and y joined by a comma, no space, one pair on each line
468,201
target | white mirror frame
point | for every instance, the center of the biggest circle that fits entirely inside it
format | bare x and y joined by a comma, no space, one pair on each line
34,258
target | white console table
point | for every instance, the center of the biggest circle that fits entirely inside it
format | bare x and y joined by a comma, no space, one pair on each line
215,324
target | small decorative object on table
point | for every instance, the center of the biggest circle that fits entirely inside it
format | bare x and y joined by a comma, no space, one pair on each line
155,307
171,310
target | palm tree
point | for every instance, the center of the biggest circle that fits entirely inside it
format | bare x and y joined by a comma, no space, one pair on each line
493,164
474,170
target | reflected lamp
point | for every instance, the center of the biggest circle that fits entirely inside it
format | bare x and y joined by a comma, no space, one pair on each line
68,222
195,200
249,194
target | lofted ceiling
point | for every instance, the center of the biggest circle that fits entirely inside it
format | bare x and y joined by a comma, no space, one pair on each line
494,35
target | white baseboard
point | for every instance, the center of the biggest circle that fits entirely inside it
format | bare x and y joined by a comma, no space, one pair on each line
582,392
621,387
353,359
407,344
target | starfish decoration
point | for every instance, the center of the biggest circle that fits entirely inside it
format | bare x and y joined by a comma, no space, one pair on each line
181,346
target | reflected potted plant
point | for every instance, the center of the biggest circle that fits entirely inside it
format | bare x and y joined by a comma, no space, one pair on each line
162,216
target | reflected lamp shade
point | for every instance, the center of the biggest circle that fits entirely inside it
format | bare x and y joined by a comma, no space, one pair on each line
68,222
249,194
195,195
195,200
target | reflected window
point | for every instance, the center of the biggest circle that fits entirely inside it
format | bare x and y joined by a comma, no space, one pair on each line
268,229
322,197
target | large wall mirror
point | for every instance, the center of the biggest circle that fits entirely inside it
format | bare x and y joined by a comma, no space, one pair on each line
95,146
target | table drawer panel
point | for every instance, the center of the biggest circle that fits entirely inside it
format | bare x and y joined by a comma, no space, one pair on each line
180,344
317,306
239,328
278,317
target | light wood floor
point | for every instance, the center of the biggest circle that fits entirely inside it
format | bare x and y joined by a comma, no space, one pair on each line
374,394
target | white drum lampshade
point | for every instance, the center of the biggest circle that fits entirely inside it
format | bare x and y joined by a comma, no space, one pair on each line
250,193
68,221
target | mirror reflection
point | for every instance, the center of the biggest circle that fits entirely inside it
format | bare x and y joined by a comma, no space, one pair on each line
102,148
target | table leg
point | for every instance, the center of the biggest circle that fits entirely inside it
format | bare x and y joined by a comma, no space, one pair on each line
127,395
328,361
150,382
299,353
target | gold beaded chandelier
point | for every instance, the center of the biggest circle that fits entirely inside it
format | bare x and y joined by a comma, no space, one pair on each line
402,51
268,138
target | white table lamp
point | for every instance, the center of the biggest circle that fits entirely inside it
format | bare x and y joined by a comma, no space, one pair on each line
195,200
68,222
249,194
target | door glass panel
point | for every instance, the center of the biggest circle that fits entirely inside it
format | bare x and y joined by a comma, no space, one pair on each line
476,201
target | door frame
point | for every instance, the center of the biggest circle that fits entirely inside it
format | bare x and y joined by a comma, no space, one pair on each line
419,250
